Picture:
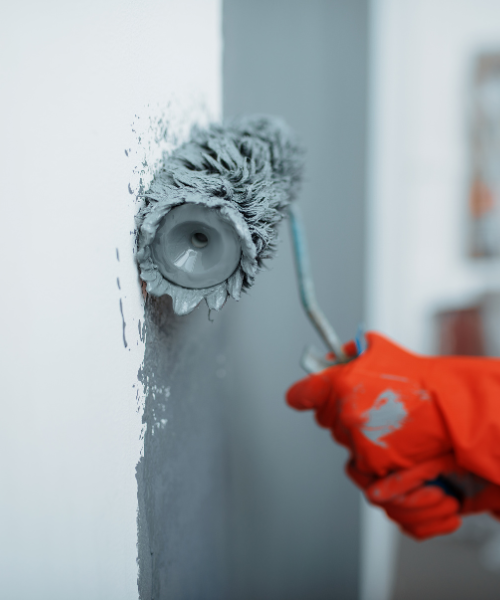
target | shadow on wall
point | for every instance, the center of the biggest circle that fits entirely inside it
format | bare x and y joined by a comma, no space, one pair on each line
295,529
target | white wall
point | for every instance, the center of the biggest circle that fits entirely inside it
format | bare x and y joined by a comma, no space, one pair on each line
422,54
74,77
419,161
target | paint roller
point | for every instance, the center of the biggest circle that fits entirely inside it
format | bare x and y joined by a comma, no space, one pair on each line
210,219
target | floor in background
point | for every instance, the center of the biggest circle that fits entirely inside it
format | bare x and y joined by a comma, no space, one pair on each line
443,569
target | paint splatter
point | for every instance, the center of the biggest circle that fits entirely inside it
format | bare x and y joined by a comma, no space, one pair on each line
423,394
123,324
385,416
142,330
394,378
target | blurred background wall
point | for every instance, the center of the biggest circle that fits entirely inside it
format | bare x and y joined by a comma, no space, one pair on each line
423,159
296,528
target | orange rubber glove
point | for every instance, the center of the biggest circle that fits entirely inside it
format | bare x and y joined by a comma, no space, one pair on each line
395,410
424,510
421,510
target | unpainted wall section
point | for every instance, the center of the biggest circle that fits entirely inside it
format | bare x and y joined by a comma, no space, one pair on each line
77,79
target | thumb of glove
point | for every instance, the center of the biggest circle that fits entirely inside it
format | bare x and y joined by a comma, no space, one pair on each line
309,393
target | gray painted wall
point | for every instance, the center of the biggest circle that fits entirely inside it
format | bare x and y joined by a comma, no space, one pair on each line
182,477
295,515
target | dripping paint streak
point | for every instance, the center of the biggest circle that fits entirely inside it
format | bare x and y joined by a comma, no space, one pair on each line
123,323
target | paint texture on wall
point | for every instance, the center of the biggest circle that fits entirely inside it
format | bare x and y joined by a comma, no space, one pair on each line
183,475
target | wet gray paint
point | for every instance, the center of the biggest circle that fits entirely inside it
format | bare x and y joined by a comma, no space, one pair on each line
248,170
124,325
394,377
385,416
183,476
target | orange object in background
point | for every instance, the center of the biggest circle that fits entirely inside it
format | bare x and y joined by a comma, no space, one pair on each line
461,332
481,199
396,411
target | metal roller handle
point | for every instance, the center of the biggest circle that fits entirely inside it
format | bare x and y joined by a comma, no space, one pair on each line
306,287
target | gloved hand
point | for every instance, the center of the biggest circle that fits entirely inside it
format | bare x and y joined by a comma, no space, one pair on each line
395,410
427,499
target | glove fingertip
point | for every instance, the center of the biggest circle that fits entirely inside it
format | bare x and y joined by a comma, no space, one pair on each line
308,393
387,489
435,528
350,349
